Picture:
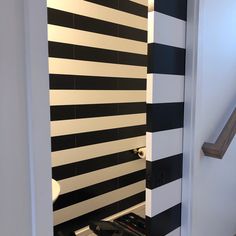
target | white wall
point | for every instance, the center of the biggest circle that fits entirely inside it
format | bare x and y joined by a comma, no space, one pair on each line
25,190
214,181
14,165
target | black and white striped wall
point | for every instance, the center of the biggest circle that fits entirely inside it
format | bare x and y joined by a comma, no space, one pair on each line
165,110
97,66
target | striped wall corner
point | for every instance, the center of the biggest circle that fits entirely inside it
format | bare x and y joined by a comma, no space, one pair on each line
165,111
98,70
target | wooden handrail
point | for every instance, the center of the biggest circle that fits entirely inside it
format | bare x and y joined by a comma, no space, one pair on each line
218,149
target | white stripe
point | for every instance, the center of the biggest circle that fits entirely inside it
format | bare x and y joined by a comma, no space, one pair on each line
74,97
163,198
89,39
164,144
176,232
88,9
141,2
64,127
168,30
90,68
165,88
95,177
95,203
72,155
151,26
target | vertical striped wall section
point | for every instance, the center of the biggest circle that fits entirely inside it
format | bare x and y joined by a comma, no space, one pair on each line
98,69
165,110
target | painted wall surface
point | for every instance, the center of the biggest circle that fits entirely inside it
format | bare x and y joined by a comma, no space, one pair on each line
214,181
14,163
165,113
98,69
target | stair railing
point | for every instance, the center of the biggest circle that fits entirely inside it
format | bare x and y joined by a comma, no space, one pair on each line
218,149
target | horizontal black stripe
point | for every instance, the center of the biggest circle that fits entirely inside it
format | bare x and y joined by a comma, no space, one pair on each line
163,171
69,51
124,5
165,222
164,116
131,201
97,189
163,59
97,110
95,83
67,228
83,139
66,19
175,8
82,167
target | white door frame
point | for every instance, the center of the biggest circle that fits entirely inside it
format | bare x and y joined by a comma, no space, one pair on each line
39,122
37,79
189,114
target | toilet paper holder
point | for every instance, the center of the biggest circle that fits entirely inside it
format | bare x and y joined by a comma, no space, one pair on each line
141,152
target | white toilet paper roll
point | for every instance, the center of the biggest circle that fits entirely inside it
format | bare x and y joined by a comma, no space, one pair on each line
142,152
